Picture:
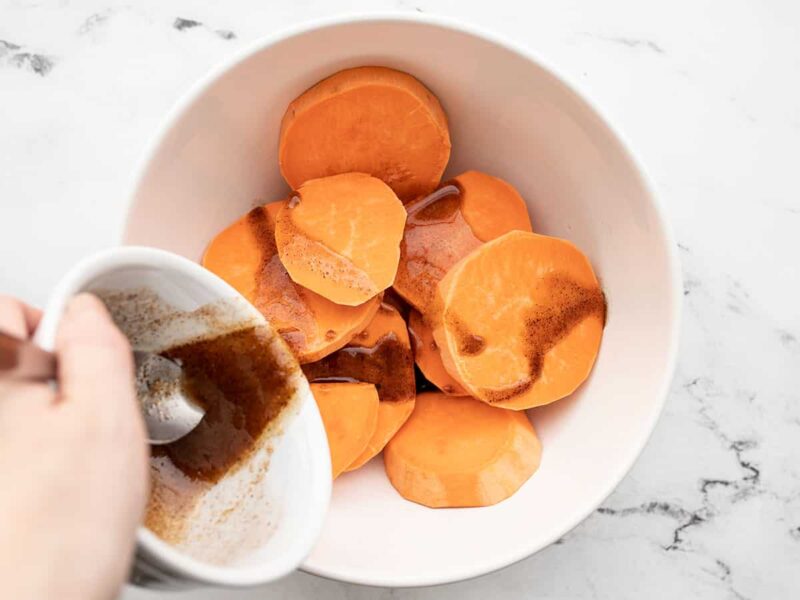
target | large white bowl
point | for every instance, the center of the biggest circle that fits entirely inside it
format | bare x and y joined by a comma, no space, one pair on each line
510,116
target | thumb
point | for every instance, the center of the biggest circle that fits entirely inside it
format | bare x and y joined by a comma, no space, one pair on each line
95,364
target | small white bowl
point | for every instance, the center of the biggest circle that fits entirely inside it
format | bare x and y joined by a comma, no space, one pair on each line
511,116
298,481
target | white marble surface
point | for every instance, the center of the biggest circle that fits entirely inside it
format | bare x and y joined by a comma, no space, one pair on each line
707,92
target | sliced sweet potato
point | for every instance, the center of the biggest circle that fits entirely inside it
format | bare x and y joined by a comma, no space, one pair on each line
456,452
426,355
519,321
491,206
245,255
339,236
391,416
381,355
349,412
450,223
372,120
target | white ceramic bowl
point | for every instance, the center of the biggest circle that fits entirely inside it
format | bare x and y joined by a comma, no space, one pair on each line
297,484
510,116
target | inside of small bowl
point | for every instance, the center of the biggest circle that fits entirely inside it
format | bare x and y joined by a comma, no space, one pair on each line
232,520
261,518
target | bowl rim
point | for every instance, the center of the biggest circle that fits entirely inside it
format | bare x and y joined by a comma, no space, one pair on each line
152,548
494,563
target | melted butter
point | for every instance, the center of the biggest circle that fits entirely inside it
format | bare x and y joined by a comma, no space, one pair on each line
388,365
436,236
546,326
276,296
242,386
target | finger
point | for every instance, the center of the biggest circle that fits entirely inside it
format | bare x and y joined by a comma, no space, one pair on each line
33,316
95,364
22,402
12,317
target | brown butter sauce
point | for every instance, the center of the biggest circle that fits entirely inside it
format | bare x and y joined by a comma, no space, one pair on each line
468,343
546,327
440,206
388,365
439,234
242,386
271,277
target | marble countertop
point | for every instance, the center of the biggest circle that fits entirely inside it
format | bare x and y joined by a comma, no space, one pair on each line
707,92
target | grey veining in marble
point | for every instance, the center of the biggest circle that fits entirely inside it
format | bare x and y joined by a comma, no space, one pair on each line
706,91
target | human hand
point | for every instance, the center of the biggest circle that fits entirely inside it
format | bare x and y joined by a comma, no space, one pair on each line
73,462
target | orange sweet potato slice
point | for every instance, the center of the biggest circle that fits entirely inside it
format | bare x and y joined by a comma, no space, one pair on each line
381,355
426,355
349,412
458,452
245,255
519,321
372,120
391,416
445,226
491,206
340,237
